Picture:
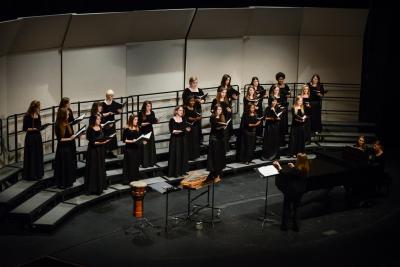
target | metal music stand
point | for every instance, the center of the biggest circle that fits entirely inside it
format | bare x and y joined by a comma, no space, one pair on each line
267,172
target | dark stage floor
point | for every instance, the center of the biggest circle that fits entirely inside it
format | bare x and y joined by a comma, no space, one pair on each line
330,235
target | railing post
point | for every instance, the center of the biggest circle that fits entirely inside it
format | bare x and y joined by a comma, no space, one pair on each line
137,104
79,123
16,137
177,98
52,132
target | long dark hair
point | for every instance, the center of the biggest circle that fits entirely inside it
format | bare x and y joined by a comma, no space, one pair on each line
143,110
318,77
63,103
35,104
95,108
214,115
224,78
62,121
255,78
92,120
130,122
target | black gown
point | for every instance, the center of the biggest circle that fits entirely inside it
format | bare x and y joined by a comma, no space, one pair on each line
178,149
247,140
148,152
260,92
65,161
216,149
132,156
316,103
283,107
230,92
228,115
270,149
284,93
185,97
307,123
110,129
297,134
193,137
33,149
95,176
72,123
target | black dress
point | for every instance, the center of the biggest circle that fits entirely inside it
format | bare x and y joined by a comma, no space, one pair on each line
110,129
260,92
293,185
73,146
316,103
193,137
65,161
307,123
284,93
148,152
283,106
178,149
33,149
297,133
95,177
216,149
228,115
247,140
270,149
185,96
132,155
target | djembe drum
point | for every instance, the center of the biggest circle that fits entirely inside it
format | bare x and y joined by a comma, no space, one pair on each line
138,192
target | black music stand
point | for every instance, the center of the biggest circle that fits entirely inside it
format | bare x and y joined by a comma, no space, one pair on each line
267,172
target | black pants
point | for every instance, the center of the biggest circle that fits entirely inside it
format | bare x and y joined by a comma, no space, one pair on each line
291,203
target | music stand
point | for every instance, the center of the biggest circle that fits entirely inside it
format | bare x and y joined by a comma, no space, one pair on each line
266,172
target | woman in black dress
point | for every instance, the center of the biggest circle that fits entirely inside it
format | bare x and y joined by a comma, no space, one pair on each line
66,103
285,93
147,118
178,149
260,94
132,153
110,109
305,94
193,137
270,149
95,176
216,149
292,181
33,147
247,139
297,133
199,97
275,94
250,98
223,101
65,161
232,95
361,144
317,92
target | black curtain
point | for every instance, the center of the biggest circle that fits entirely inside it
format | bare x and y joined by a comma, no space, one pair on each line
379,80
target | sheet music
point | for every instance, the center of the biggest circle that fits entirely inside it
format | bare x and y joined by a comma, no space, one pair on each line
228,121
44,126
80,131
109,122
269,170
81,117
145,136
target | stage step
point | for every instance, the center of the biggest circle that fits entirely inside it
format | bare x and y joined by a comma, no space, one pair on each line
7,174
20,190
55,215
32,207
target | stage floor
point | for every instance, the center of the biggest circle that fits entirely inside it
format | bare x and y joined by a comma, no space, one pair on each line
332,235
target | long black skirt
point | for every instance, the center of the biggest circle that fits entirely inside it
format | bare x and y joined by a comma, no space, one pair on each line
316,121
216,155
247,145
65,164
131,163
33,156
148,153
193,141
178,156
270,149
113,143
307,129
297,140
227,137
95,177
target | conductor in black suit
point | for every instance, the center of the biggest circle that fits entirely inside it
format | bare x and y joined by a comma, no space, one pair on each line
292,181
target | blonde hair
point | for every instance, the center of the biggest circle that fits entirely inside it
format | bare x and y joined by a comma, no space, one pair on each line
304,87
109,92
302,164
295,101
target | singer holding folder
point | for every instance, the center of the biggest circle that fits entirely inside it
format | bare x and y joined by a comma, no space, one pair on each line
95,176
270,148
110,109
193,137
260,94
147,118
33,147
246,143
222,100
297,138
132,153
65,160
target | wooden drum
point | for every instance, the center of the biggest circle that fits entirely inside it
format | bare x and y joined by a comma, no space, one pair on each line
138,192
